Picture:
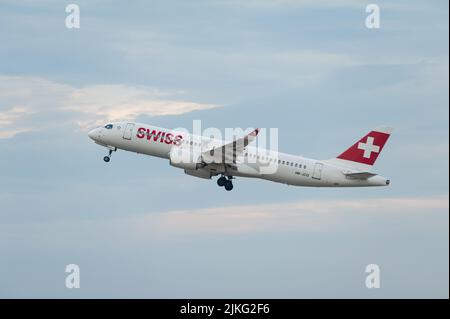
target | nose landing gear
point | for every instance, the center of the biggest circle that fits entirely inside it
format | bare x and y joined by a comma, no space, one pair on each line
108,157
226,183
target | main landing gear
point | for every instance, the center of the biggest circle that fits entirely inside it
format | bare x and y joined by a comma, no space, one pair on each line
226,183
108,157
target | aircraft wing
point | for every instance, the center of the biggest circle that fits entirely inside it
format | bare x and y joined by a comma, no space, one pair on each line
227,153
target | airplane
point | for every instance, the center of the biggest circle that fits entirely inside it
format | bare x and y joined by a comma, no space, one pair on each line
205,157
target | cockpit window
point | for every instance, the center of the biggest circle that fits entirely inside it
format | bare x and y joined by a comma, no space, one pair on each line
109,126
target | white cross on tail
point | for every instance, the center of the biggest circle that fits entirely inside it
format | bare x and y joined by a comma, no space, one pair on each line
369,147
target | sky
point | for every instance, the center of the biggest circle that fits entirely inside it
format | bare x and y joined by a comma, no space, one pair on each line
138,228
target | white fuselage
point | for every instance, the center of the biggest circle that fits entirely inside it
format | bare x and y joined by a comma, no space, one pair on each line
254,162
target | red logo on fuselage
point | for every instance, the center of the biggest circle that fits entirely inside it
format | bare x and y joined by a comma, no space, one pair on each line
159,136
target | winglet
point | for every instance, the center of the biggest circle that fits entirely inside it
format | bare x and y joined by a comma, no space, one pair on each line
255,132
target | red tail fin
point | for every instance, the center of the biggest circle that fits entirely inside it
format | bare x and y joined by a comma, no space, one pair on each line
367,149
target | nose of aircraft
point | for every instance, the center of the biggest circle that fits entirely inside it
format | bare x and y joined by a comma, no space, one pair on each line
93,134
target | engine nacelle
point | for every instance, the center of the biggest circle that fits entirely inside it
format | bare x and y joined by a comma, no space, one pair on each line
186,159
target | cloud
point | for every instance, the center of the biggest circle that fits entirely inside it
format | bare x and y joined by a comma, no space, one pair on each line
12,133
312,215
26,103
11,115
115,102
284,218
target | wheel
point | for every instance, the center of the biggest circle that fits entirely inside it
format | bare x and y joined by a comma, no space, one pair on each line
106,159
228,185
221,181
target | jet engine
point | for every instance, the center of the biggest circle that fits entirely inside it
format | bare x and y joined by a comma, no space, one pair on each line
185,158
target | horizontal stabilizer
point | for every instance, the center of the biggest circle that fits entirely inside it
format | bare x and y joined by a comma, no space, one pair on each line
360,175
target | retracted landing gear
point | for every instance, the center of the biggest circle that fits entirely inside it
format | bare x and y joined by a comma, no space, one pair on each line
108,157
226,183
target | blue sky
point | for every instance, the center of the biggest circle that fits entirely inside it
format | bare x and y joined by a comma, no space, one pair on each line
139,228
